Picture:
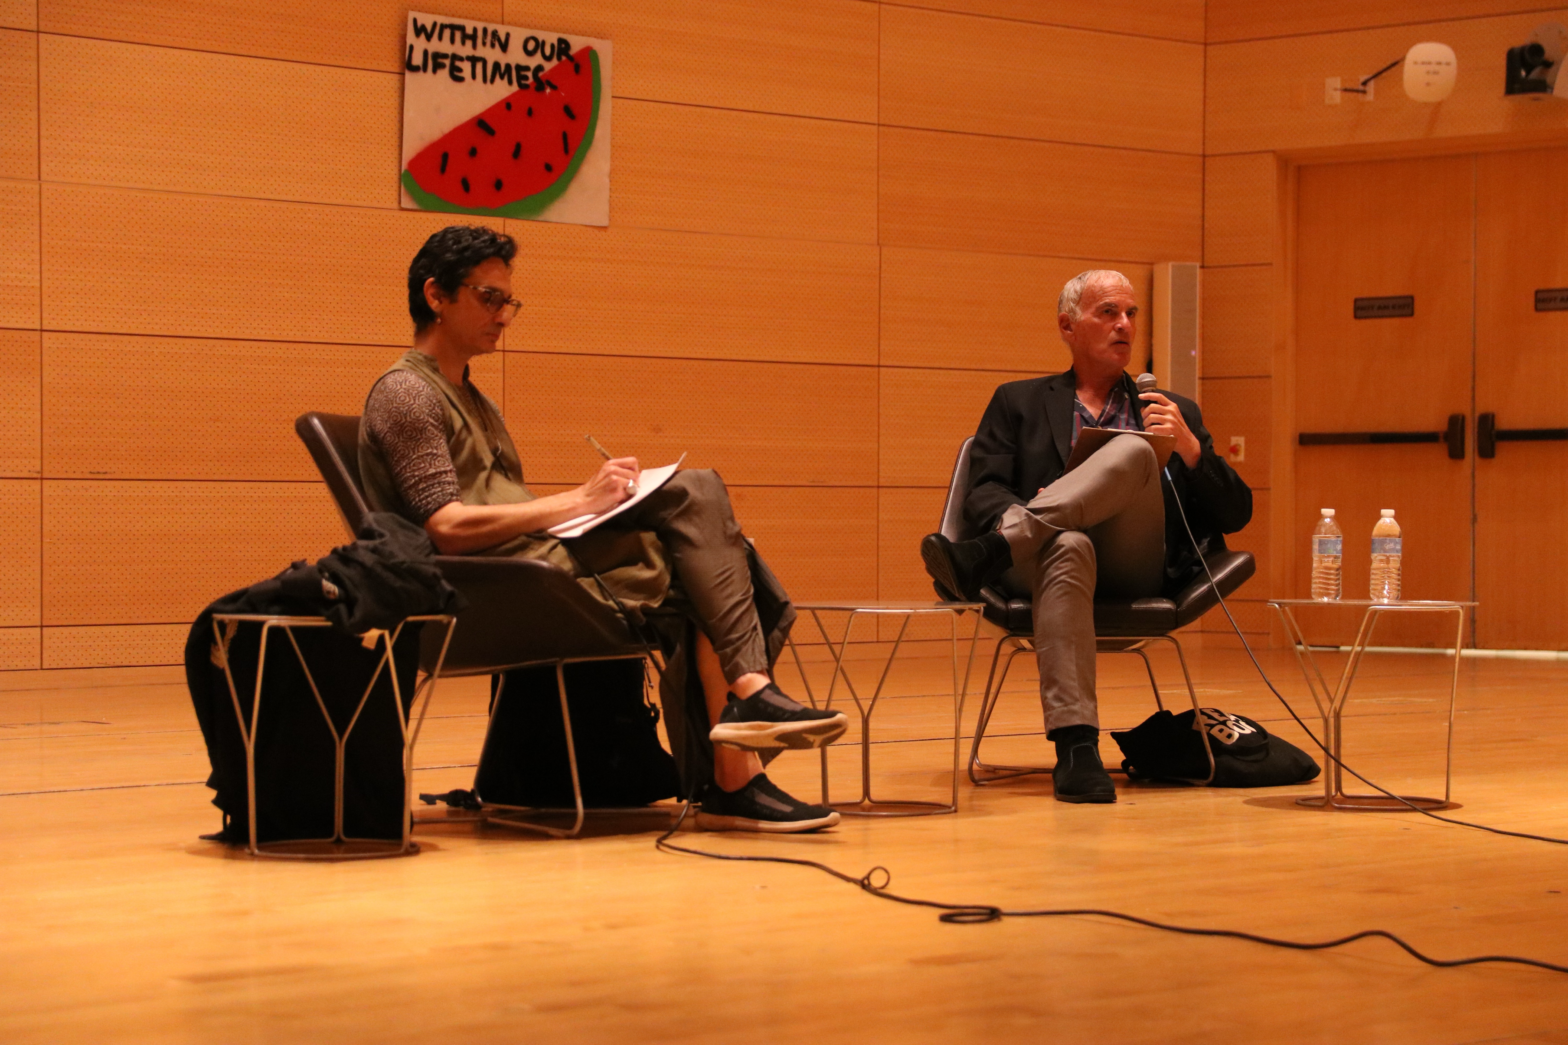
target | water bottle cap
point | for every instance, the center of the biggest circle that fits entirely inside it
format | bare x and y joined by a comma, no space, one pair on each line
1388,513
1328,513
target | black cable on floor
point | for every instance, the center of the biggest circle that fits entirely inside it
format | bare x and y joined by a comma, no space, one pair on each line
877,880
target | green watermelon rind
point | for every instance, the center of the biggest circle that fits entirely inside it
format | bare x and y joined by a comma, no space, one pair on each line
528,206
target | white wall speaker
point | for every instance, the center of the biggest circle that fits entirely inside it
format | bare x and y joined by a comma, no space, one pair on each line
1175,326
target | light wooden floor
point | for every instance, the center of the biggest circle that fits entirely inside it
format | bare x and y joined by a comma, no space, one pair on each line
118,925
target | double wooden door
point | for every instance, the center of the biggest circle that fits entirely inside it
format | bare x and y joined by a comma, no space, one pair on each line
1471,239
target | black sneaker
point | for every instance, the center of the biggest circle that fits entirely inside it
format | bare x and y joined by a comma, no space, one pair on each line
768,721
1080,776
761,806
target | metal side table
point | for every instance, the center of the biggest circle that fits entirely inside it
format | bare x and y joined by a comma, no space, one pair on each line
867,805
1331,702
339,846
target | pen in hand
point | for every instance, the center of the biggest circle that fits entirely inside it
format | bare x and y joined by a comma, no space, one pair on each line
631,484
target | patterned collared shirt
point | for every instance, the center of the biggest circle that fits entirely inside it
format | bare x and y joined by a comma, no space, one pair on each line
1118,413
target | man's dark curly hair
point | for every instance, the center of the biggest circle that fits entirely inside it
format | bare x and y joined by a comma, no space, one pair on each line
448,257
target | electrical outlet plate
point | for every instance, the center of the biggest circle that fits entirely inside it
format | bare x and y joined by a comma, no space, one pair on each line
1237,450
1331,95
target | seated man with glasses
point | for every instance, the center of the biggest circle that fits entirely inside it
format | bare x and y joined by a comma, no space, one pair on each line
434,449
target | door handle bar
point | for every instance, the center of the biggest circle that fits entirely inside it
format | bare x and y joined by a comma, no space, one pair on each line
1488,435
1453,436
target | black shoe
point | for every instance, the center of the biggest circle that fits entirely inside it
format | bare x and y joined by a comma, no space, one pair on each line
761,806
1079,775
769,721
961,569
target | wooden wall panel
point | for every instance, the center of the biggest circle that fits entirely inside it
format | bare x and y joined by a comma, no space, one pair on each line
19,268
1162,19
144,553
19,649
621,291
904,516
1268,94
1240,209
19,574
1025,197
114,645
1238,321
985,311
808,57
1242,406
19,14
18,104
925,415
186,408
19,456
1062,84
714,170
822,544
366,35
1250,20
199,266
153,117
756,423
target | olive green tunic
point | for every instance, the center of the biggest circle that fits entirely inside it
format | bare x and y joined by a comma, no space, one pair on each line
631,564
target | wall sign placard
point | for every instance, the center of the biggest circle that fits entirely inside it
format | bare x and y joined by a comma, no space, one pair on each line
505,122
1385,308
1551,299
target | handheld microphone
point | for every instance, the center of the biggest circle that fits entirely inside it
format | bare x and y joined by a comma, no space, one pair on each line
1145,383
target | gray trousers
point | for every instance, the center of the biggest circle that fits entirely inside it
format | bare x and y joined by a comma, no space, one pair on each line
692,518
1098,529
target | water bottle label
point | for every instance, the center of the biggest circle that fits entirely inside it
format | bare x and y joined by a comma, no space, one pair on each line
1327,545
1387,545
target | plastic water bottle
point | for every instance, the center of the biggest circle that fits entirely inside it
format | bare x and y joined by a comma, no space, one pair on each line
1387,548
1327,548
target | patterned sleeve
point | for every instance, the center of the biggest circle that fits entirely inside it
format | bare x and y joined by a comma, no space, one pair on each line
403,417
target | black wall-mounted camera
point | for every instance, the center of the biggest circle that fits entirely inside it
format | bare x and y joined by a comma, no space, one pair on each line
1532,67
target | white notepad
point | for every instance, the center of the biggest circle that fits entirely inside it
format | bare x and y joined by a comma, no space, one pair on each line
648,480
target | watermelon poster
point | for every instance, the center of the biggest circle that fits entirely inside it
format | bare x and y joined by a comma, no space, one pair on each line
505,122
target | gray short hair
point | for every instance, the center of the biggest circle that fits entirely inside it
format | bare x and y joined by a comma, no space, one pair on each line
1072,292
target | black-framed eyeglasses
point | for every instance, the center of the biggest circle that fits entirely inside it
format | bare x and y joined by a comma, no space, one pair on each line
495,301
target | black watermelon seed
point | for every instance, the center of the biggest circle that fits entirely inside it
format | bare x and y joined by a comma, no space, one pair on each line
548,167
508,106
566,146
530,110
498,185
473,150
465,184
483,126
517,150
553,87
569,114
576,68
443,163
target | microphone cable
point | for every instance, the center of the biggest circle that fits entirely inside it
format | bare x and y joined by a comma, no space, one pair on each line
878,879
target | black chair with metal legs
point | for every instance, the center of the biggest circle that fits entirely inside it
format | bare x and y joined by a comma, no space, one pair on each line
1119,627
520,613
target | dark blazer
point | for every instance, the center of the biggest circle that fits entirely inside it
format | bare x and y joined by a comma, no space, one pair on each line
1025,438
